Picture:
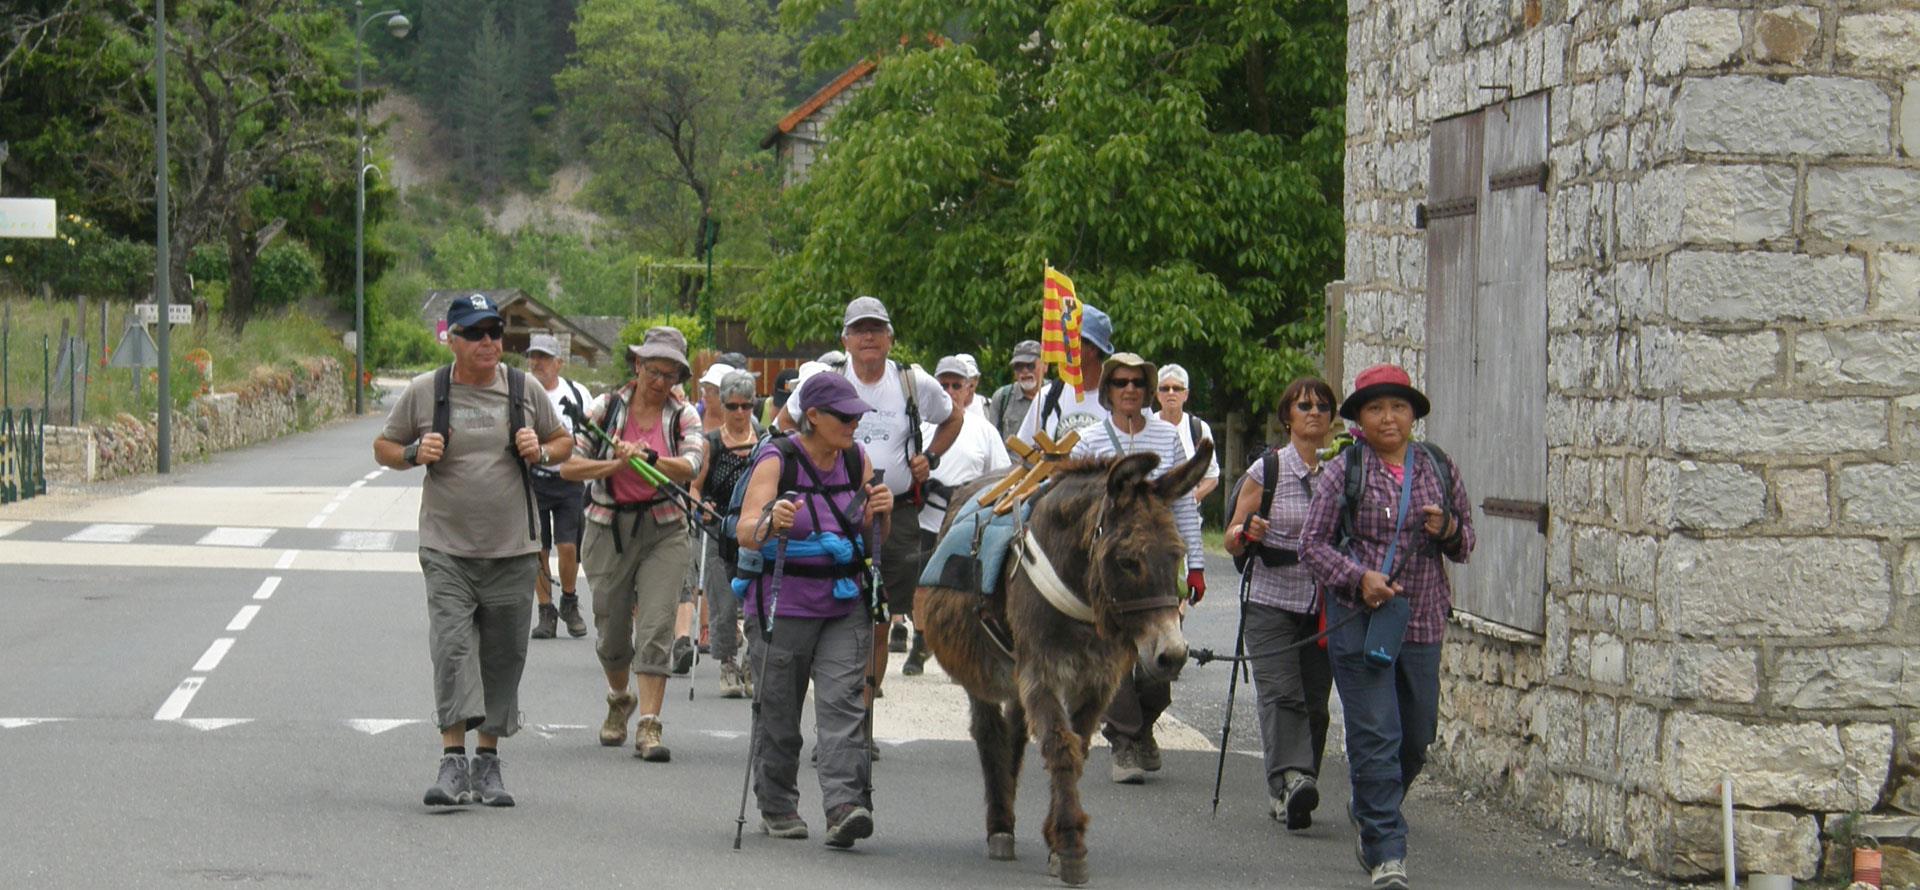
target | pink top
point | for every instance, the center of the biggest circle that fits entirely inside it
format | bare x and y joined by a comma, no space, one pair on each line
628,487
1398,473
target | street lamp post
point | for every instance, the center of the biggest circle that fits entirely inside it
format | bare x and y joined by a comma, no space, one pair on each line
398,26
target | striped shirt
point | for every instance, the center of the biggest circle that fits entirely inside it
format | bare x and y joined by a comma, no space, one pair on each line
1104,439
1285,587
1424,577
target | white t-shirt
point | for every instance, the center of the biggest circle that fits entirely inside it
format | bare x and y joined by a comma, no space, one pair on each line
976,452
1206,433
1075,412
569,391
884,431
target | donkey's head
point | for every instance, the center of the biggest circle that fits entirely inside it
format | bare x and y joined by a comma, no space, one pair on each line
1137,560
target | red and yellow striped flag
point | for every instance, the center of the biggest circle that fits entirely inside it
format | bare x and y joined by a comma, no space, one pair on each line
1060,328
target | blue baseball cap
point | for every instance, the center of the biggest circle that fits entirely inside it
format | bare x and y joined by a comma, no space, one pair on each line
1096,328
471,310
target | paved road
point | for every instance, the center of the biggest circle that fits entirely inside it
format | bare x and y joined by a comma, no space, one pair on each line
222,677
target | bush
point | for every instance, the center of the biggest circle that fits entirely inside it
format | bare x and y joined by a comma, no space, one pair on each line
208,262
286,274
636,330
83,260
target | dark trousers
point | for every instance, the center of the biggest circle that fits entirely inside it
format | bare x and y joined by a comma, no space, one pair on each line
1292,689
1392,714
1136,705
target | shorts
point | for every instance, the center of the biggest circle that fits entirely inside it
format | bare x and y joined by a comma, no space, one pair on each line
561,506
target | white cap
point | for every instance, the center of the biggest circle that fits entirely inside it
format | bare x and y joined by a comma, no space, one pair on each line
546,343
716,372
832,357
861,308
808,369
1176,374
953,364
973,367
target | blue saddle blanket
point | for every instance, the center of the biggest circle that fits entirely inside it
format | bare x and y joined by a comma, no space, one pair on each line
974,549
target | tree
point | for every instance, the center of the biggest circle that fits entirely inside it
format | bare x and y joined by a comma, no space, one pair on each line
1181,161
674,95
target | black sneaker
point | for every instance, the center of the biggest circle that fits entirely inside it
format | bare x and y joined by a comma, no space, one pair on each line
916,663
570,616
682,655
454,787
488,787
848,823
543,626
897,638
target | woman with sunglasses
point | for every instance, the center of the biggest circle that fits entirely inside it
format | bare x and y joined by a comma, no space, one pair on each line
1130,428
1283,605
730,454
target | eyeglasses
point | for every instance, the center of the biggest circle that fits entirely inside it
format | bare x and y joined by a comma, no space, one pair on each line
1172,388
740,406
1127,383
953,387
1019,367
1314,407
670,376
869,329
476,334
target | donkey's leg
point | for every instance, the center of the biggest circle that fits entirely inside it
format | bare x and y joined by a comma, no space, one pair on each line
990,733
1062,748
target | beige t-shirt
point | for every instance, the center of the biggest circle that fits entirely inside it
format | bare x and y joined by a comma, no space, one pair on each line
473,503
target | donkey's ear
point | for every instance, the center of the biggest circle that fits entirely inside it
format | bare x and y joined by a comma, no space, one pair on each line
1130,472
1183,478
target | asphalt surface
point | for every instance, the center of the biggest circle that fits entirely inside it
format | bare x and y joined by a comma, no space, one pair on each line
137,749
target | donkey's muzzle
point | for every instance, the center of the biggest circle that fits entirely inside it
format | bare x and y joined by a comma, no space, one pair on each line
1163,657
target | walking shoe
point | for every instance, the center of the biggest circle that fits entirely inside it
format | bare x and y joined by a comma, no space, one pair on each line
454,786
683,654
488,788
1359,842
897,638
916,656
543,626
789,826
1147,751
1296,807
732,684
646,743
620,705
847,823
570,616
1389,875
1126,763
746,678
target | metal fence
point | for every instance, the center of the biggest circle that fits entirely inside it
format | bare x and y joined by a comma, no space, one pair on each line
23,431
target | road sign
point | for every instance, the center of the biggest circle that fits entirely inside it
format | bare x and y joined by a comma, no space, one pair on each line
136,349
177,313
27,218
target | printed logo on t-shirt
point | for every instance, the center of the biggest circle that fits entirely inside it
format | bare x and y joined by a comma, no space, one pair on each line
1077,421
468,417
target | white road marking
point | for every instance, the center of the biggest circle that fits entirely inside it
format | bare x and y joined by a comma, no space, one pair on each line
317,521
364,541
109,533
373,475
17,722
234,536
154,556
208,724
267,587
330,507
243,618
723,733
376,727
286,559
931,707
357,483
214,653
10,526
176,704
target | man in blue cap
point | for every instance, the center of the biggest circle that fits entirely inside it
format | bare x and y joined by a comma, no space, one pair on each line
1061,409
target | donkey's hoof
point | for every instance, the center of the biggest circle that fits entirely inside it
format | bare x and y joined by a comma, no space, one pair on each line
1069,871
1000,846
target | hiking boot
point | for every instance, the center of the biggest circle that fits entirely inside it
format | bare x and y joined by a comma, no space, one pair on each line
646,742
1388,875
788,825
732,683
916,656
746,678
543,626
682,655
620,705
847,823
570,616
1147,752
1126,764
454,786
1295,808
488,788
897,638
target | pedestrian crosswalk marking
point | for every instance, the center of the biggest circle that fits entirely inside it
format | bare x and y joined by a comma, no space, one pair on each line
10,526
235,536
109,533
376,727
208,724
18,722
364,541
162,556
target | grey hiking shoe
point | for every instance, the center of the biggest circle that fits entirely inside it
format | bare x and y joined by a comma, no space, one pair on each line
682,655
732,683
1296,807
454,787
1147,751
1126,764
543,626
789,826
488,787
1390,875
570,616
620,705
848,823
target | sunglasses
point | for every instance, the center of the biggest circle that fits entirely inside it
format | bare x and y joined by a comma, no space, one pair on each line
848,419
740,406
1173,389
1127,383
1314,407
476,334
953,387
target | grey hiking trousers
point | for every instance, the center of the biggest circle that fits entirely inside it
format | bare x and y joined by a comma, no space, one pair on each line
478,614
831,653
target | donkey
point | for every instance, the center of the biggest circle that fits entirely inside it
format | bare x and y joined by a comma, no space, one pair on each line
1109,535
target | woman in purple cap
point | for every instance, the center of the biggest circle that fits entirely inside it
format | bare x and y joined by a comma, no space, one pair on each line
1380,557
813,620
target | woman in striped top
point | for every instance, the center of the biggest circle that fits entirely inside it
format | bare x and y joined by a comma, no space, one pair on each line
1125,380
1283,603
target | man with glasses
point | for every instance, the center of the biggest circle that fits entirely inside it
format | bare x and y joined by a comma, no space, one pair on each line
476,546
977,451
1010,403
1193,430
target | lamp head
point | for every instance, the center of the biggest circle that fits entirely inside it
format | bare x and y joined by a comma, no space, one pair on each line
399,27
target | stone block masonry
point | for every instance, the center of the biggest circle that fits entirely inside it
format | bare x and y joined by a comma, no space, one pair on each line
1732,414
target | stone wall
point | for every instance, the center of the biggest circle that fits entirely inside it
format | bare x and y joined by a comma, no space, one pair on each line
1733,418
272,404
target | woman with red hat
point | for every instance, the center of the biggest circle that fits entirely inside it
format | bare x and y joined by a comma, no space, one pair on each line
1380,557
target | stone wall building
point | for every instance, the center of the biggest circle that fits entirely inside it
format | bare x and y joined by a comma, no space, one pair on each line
1658,265
799,136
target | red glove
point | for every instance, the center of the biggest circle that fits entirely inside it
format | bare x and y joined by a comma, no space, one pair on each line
1196,586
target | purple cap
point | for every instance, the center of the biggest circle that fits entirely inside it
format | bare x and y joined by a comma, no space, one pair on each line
831,391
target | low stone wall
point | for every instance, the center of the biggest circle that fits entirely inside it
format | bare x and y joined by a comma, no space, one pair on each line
271,405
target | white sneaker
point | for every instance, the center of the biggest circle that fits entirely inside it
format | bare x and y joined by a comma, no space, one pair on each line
1390,875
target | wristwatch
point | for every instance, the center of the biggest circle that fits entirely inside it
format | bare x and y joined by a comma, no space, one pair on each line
545,458
933,460
411,454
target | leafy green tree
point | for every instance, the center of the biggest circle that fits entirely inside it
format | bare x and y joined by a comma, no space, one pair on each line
1181,161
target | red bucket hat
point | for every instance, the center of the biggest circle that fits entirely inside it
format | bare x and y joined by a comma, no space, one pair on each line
1383,380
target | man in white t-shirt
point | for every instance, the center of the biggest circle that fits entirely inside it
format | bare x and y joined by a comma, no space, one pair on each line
1193,430
561,503
1060,409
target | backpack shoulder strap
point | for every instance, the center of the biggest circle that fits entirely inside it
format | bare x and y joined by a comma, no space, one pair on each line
1442,467
517,418
1050,404
907,390
1351,489
442,396
1270,471
789,467
1193,432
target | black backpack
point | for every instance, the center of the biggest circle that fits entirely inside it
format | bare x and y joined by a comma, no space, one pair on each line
516,418
1270,473
1356,481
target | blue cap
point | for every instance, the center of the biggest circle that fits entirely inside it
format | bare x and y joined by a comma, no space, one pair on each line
1096,328
471,310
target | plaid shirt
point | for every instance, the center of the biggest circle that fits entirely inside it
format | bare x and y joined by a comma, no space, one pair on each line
1284,587
692,446
1424,576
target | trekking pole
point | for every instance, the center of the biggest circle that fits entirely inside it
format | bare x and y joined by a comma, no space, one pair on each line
760,685
697,512
699,598
876,609
1233,683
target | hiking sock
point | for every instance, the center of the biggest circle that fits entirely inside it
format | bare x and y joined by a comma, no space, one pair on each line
455,749
484,751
